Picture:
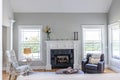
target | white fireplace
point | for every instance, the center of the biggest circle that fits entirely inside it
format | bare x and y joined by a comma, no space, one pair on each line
62,44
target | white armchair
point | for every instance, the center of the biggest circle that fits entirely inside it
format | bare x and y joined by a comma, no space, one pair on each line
14,68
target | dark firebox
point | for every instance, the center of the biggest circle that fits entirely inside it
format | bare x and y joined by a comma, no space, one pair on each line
62,58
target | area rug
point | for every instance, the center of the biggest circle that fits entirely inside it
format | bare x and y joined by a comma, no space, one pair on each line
54,76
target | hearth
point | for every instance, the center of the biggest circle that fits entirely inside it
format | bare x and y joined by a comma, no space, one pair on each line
62,58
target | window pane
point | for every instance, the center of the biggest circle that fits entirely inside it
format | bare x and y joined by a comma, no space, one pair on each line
92,40
115,39
30,38
115,49
92,34
115,34
35,47
92,46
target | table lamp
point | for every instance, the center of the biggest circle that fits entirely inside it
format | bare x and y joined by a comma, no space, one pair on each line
27,51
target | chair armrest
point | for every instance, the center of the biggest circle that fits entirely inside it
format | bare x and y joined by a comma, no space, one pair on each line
84,62
101,66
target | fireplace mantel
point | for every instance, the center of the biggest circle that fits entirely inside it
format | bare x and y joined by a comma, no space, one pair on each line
62,44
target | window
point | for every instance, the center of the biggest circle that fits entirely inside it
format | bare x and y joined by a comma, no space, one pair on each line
30,37
92,39
114,30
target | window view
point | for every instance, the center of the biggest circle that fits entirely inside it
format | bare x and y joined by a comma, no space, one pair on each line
30,38
115,41
92,40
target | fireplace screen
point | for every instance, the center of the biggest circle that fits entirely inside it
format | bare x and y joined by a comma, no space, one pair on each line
62,59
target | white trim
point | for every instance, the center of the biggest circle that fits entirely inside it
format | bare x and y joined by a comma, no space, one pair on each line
110,27
114,69
92,26
109,44
30,27
116,23
4,68
37,67
106,66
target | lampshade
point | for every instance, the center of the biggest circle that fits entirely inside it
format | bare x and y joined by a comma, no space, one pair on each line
27,51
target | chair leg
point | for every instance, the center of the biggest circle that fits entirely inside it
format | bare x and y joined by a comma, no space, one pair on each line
13,77
27,73
9,76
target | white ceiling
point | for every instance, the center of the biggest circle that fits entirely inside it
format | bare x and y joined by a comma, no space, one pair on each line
74,6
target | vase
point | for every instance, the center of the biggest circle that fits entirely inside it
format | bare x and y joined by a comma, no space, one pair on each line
75,35
48,36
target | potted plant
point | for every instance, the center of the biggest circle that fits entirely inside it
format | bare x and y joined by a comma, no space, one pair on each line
48,31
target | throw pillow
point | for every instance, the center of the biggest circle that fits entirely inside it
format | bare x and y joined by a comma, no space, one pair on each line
93,60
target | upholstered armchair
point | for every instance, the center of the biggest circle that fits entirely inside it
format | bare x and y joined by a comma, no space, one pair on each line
94,63
13,66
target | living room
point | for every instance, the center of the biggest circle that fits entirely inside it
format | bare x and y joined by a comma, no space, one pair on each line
62,25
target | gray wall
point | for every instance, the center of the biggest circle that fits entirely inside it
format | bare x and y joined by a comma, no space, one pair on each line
63,25
4,44
114,12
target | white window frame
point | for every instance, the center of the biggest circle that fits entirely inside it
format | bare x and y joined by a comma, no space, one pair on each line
110,39
103,48
20,56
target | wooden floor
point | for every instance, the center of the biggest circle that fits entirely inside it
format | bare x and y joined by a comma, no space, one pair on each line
5,75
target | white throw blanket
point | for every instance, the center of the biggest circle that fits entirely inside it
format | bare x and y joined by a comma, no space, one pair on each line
54,76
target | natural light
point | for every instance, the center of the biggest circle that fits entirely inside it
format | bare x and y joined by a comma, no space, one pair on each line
116,42
92,40
30,38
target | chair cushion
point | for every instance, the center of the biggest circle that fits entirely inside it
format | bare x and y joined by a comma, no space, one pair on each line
91,66
94,60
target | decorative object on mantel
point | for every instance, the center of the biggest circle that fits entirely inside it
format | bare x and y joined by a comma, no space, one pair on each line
75,35
47,31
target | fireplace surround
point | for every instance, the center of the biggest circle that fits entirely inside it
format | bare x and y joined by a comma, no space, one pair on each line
72,45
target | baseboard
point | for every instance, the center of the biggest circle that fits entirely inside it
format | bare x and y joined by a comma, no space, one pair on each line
33,67
38,67
79,67
106,65
4,68
115,69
